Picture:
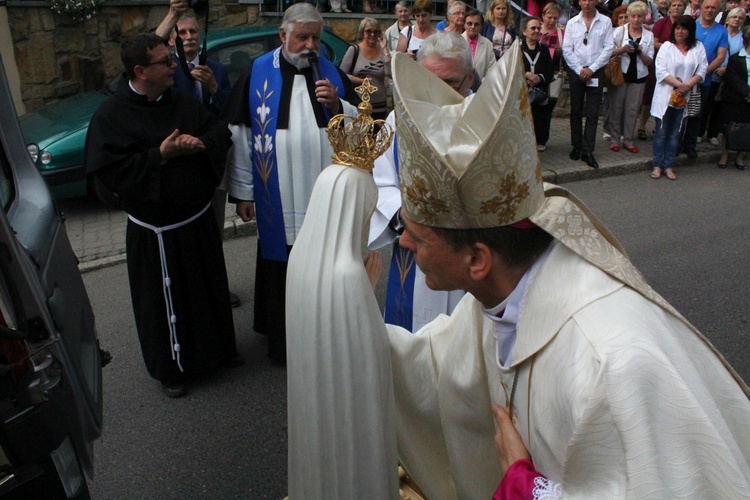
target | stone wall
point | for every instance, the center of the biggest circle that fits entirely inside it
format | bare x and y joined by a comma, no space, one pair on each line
58,57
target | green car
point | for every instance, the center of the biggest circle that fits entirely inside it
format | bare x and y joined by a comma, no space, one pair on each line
56,134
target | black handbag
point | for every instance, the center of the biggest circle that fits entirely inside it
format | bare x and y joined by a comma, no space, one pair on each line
537,96
737,136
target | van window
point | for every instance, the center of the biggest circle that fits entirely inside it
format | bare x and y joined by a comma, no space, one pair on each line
7,187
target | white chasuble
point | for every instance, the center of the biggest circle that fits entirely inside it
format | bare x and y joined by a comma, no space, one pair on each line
616,397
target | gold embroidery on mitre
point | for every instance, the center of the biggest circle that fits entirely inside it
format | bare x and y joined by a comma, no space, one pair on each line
466,164
356,142
510,195
426,204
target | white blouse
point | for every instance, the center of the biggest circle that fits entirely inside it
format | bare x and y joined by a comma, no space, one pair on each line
670,61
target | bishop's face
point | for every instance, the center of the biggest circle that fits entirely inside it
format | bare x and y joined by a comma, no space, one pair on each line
443,267
300,42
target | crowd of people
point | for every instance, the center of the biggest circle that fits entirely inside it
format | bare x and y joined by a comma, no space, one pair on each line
628,41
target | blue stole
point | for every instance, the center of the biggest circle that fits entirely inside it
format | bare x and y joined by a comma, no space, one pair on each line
265,96
399,298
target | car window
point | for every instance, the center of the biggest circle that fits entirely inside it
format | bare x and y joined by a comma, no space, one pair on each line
238,57
7,186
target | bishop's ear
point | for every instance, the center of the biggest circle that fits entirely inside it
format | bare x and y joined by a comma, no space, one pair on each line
480,261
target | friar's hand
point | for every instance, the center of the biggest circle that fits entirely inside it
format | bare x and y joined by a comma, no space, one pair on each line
326,94
177,144
373,266
508,442
246,210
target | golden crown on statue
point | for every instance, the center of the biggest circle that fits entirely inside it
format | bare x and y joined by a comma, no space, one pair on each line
358,141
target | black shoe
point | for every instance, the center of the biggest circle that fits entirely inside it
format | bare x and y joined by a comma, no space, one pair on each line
173,390
234,300
234,362
740,166
575,154
691,153
589,159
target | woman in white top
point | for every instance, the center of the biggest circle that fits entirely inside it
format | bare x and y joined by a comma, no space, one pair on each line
412,37
680,65
635,46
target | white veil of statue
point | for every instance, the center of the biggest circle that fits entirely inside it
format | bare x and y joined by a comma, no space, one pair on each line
342,429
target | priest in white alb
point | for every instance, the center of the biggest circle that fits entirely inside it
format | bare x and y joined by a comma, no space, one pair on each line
278,114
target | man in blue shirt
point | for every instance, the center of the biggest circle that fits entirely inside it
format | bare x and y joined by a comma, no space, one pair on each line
715,40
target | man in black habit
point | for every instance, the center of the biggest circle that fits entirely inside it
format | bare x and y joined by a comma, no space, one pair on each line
163,154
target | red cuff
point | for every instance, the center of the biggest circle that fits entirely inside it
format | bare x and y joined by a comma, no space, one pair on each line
518,482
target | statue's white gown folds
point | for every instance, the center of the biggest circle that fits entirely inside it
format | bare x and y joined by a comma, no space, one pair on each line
342,429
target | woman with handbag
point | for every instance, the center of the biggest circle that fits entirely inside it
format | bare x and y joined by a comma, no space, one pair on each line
552,37
539,72
370,58
635,46
411,37
619,18
736,101
680,64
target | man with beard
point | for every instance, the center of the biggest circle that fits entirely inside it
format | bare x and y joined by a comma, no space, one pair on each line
163,155
279,152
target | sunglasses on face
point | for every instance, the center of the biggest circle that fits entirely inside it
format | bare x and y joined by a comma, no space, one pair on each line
373,32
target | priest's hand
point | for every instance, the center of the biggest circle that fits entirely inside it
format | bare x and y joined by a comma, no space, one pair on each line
246,210
180,145
326,94
373,266
508,442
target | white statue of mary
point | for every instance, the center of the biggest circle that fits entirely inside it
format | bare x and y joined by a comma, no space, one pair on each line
342,427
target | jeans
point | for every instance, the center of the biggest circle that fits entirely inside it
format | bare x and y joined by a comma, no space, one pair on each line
667,138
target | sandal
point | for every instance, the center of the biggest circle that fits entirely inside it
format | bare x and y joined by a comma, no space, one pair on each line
656,173
671,175
642,134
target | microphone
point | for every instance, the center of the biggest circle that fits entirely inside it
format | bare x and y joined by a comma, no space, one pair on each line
313,60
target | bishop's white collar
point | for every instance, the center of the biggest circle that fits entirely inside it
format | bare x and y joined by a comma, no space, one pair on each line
506,324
